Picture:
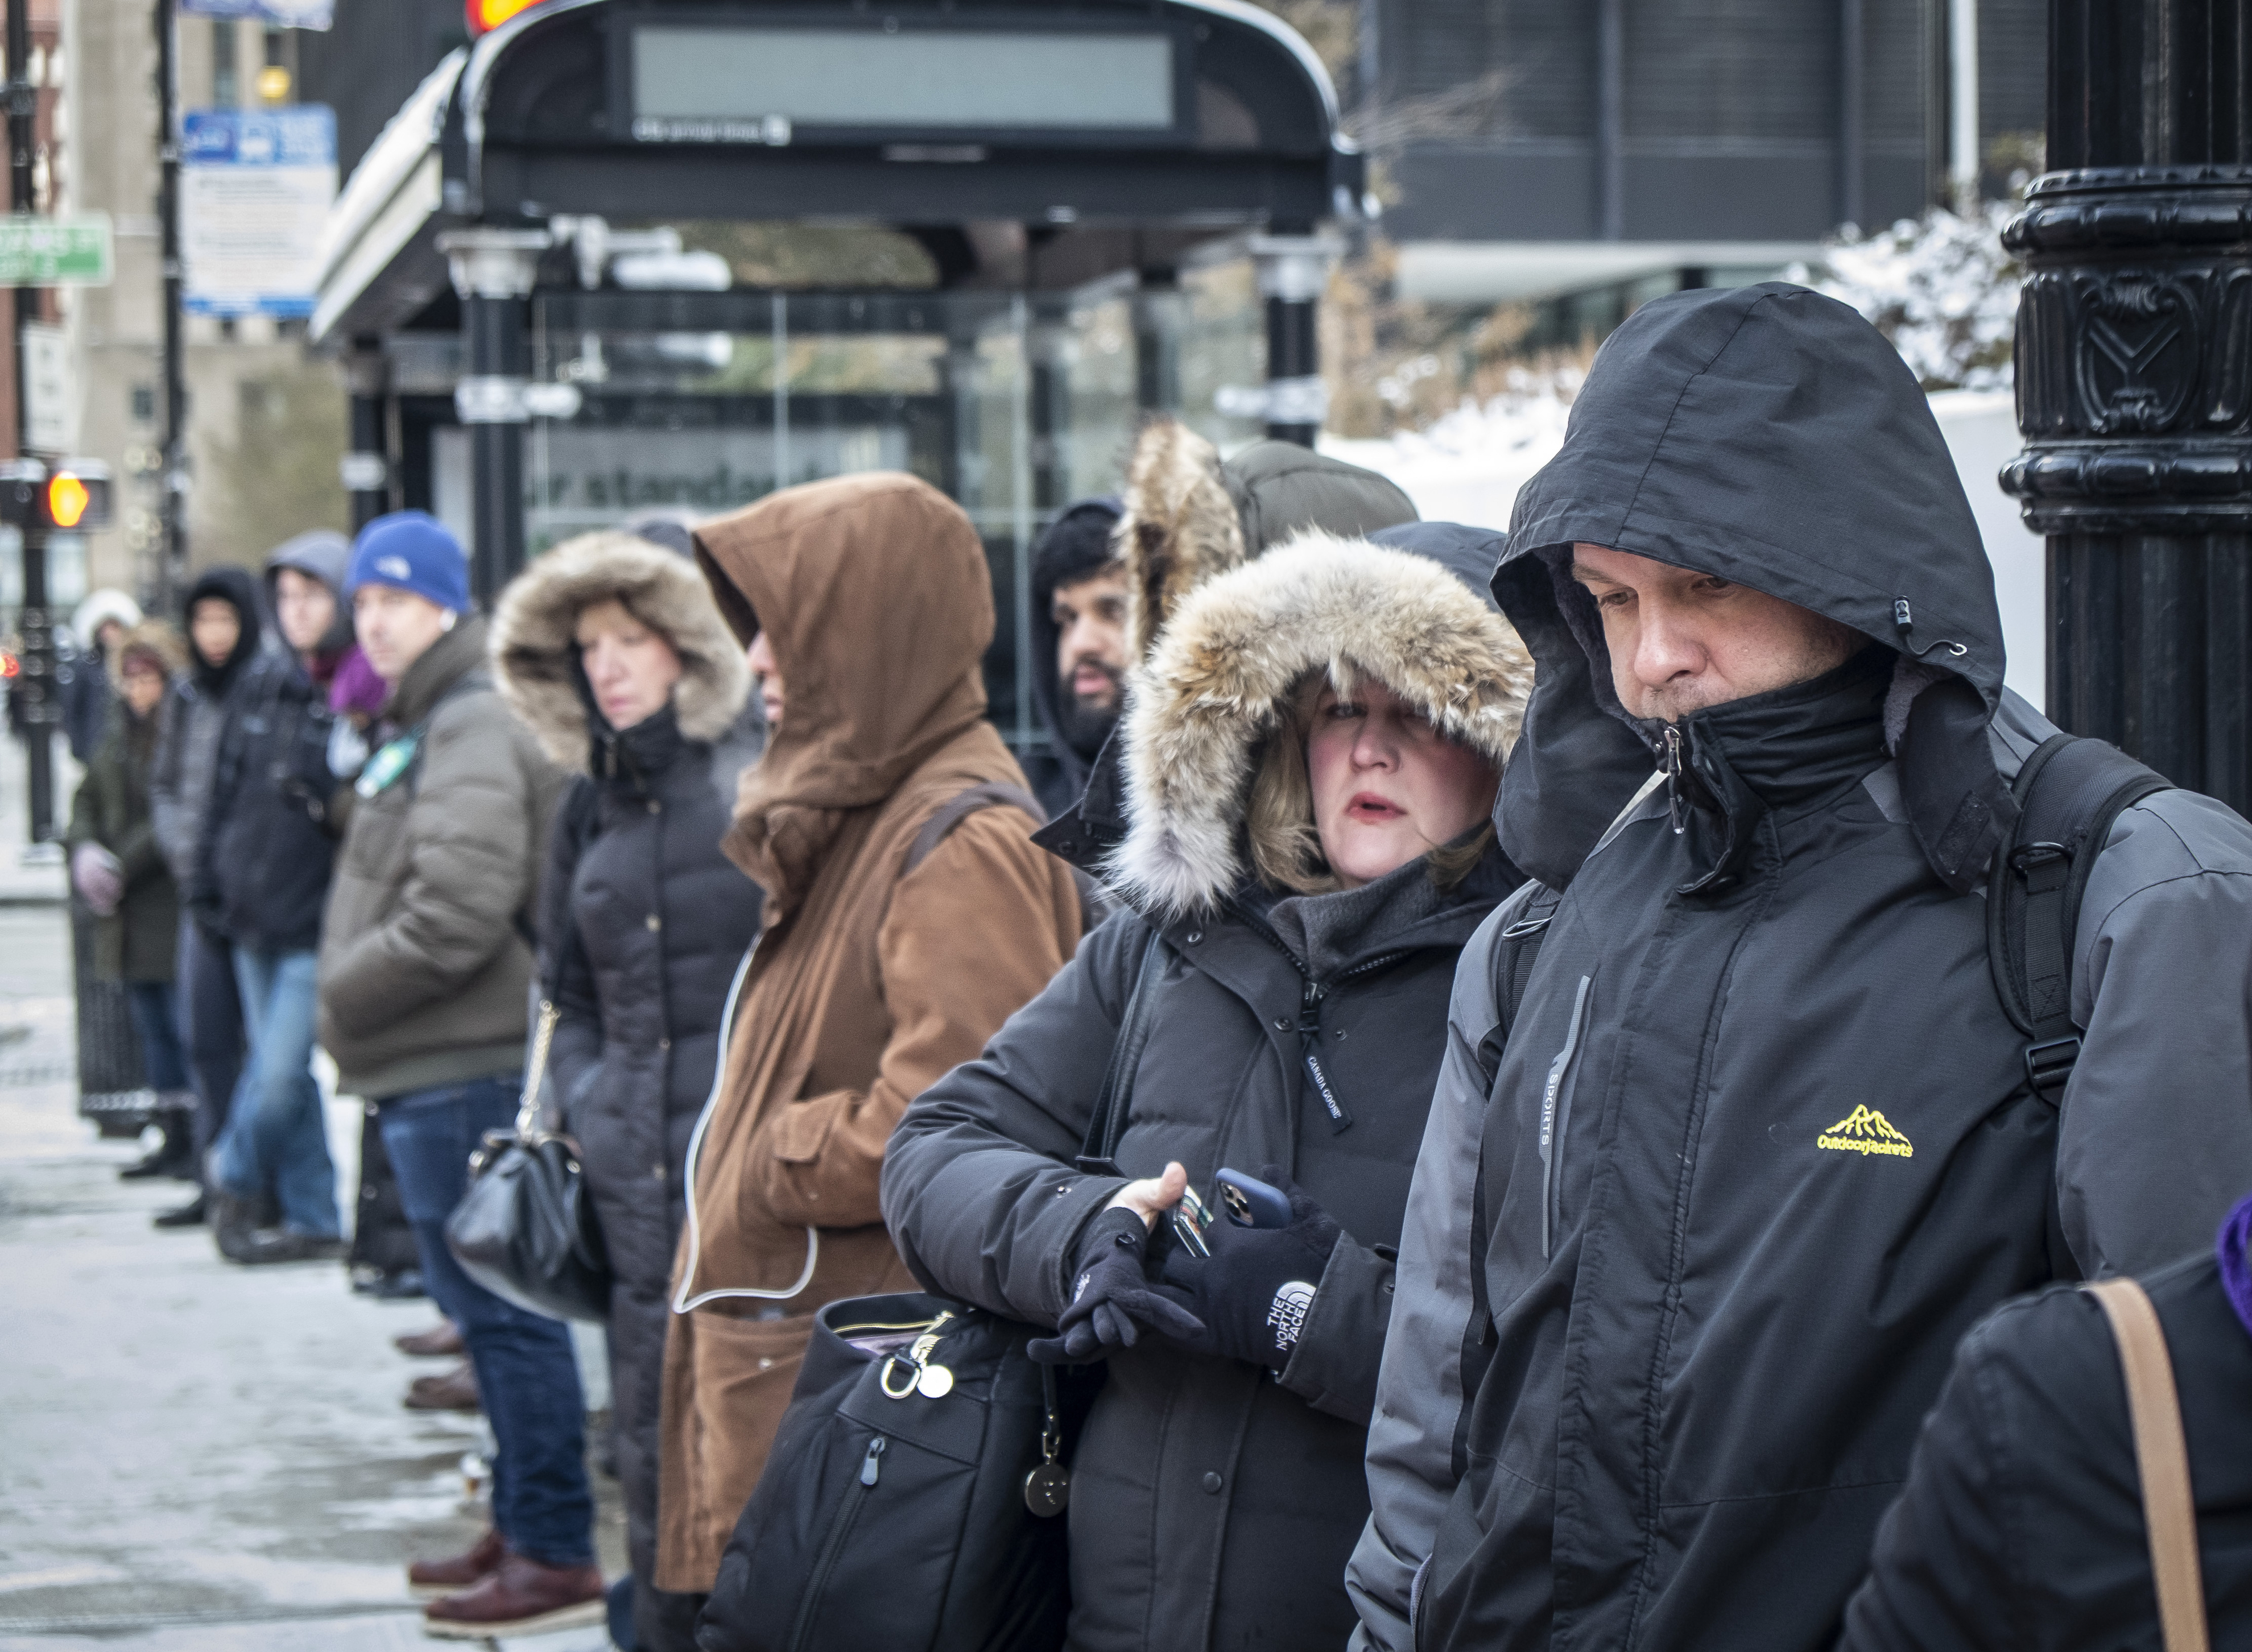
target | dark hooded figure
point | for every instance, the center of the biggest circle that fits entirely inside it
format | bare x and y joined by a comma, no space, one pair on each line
224,632
1078,648
263,867
1310,753
1689,1253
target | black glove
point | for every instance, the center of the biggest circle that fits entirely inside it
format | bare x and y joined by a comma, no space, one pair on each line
1112,1299
1255,1291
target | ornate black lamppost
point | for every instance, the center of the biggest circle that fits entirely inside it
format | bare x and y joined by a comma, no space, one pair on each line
2134,370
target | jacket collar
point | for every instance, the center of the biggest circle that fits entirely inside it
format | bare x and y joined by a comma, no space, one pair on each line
631,757
1783,753
445,663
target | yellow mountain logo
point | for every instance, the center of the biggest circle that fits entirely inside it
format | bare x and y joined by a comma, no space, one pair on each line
1862,1131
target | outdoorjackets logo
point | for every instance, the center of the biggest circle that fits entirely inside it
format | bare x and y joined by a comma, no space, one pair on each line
1862,1131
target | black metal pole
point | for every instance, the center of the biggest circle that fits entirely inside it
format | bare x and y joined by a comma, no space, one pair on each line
494,271
35,683
172,555
2134,361
367,468
1293,270
496,329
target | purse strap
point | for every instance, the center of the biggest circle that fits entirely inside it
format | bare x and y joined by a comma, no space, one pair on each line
1097,1155
2161,1462
535,1072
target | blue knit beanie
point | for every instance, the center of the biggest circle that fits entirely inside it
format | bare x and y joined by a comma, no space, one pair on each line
415,552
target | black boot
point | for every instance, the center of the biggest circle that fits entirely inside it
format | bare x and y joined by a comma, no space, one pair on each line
173,1157
188,1215
233,1224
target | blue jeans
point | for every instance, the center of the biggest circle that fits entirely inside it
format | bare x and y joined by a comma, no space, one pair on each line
275,1136
155,1013
526,1371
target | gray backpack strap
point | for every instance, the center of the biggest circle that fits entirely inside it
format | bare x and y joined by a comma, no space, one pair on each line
2069,792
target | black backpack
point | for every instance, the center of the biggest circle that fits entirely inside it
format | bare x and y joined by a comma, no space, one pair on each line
2069,792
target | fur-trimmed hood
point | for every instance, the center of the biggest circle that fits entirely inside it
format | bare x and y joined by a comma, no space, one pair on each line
535,658
1202,704
1189,516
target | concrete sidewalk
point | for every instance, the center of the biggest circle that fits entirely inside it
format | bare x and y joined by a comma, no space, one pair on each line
196,1457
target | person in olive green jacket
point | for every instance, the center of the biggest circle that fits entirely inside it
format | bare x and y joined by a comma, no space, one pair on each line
426,969
119,871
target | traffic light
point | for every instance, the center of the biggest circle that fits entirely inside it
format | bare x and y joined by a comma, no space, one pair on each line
485,16
73,495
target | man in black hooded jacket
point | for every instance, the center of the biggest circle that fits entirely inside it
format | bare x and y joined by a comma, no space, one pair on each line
1078,648
222,612
1692,1239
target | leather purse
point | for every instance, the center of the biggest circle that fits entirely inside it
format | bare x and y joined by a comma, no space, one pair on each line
526,1229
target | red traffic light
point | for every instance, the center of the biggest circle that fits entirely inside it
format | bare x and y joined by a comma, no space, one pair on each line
487,15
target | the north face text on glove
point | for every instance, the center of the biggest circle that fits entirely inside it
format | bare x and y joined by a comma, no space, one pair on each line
1286,1317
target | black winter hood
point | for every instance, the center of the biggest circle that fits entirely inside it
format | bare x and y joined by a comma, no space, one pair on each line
1077,545
232,585
1771,436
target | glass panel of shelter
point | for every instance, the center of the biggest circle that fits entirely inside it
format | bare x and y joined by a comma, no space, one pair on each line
1014,405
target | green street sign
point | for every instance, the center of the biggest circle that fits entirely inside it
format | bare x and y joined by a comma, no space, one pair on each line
55,252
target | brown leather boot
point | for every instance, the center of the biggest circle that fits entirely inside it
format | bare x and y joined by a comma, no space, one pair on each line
522,1598
431,1579
455,1390
442,1341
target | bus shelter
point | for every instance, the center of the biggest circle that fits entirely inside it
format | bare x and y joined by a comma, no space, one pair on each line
623,255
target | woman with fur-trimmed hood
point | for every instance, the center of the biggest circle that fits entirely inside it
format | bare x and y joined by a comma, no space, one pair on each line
610,649
1311,751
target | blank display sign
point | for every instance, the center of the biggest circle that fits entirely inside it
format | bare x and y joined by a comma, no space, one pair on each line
915,80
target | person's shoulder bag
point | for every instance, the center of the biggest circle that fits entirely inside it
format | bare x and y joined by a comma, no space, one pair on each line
526,1229
912,1495
2161,1462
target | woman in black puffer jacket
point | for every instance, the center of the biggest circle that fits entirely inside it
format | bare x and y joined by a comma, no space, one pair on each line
610,650
1311,751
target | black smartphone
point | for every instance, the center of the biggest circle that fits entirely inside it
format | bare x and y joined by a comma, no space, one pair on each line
1251,1203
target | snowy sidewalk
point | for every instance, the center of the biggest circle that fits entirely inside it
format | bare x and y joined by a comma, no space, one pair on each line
196,1457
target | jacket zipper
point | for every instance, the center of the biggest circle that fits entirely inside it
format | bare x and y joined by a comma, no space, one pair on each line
839,1529
1555,1114
1676,806
1311,995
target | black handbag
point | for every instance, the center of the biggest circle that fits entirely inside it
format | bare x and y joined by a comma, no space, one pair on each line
911,1496
526,1229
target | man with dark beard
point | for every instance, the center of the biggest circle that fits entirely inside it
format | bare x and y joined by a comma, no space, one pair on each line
1078,647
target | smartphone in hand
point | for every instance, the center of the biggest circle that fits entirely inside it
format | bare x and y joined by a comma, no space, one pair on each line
1251,1203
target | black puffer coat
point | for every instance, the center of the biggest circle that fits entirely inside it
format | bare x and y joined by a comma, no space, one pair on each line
1210,1506
645,921
2021,1525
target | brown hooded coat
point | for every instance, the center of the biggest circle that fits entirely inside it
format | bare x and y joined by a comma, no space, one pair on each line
868,985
